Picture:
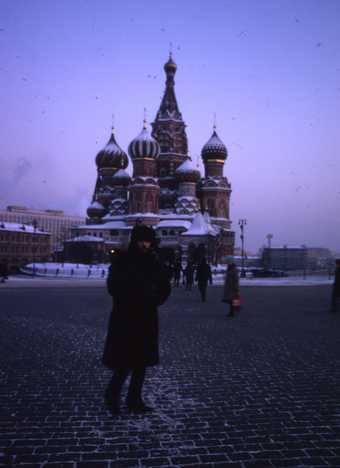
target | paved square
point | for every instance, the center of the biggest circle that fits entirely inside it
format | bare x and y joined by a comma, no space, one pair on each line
260,390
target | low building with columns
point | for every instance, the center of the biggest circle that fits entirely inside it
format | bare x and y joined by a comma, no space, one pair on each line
166,190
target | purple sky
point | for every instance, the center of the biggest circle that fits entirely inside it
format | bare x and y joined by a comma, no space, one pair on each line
270,69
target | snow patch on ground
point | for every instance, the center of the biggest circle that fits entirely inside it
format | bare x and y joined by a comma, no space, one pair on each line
72,271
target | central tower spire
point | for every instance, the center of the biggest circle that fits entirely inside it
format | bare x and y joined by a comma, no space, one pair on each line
169,131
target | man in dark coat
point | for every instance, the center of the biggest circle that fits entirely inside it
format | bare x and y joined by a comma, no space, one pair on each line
177,272
336,287
203,275
231,287
138,284
189,275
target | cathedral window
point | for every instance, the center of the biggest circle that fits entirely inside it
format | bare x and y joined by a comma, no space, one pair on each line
149,202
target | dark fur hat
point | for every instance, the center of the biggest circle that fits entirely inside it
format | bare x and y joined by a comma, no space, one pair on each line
143,233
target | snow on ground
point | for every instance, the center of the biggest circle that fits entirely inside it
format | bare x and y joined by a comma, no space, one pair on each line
72,271
286,281
66,270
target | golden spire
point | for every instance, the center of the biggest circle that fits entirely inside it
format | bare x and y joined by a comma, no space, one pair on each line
214,126
113,124
145,123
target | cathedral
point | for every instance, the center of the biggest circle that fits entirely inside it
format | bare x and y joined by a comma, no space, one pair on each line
166,190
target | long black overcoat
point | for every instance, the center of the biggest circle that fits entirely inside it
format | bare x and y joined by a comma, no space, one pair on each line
138,284
203,275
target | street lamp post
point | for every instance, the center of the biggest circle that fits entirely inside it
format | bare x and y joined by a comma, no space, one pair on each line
35,225
304,262
242,223
269,239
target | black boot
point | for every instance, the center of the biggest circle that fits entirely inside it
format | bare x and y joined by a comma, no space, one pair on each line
113,390
138,407
134,399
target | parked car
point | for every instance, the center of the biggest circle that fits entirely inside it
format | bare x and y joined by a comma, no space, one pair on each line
268,273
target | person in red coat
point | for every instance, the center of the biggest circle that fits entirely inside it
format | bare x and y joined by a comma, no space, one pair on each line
231,289
138,284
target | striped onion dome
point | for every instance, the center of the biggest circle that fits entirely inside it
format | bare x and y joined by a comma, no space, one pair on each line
144,145
112,155
214,148
187,172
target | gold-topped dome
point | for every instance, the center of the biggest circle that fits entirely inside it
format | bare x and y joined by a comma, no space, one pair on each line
170,66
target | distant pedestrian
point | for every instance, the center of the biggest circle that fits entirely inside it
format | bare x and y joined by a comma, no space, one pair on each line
169,269
336,287
203,276
231,290
3,272
103,273
189,275
138,284
57,272
177,272
89,273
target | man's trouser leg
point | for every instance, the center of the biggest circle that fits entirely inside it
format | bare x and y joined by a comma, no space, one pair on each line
136,385
114,388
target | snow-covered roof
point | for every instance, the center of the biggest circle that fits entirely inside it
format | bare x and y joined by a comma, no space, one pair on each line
116,217
200,227
96,204
19,227
214,218
143,215
288,247
146,178
86,238
167,214
173,223
121,173
121,200
108,225
187,166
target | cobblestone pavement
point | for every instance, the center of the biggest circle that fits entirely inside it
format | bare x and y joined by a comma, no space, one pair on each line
259,390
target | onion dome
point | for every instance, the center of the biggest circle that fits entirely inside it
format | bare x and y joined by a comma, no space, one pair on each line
187,172
121,177
144,145
170,66
214,148
112,155
96,210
